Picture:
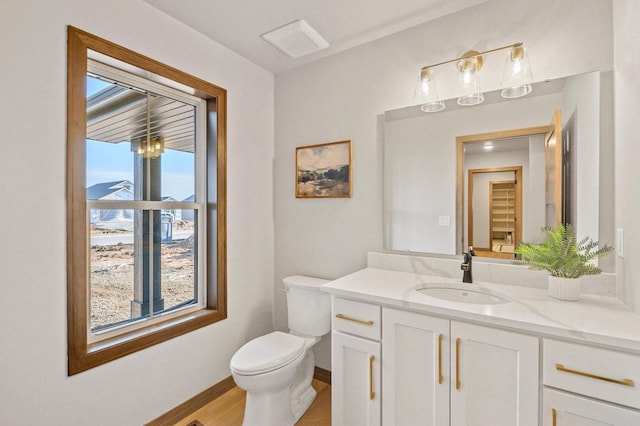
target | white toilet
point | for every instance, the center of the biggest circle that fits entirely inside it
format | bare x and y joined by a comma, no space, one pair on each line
276,369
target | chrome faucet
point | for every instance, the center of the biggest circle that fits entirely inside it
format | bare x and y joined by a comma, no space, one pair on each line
466,266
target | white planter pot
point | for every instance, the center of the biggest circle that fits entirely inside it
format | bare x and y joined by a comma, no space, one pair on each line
564,288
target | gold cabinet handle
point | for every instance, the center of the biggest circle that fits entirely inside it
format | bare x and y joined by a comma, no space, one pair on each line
624,382
372,394
359,321
440,359
554,417
458,363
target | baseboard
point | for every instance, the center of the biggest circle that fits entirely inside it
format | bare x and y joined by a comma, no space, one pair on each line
322,375
188,407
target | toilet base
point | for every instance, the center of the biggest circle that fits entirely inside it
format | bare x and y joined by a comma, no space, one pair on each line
302,393
268,409
302,404
285,406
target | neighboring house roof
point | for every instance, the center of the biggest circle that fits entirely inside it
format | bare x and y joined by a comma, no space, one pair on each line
101,190
169,198
190,199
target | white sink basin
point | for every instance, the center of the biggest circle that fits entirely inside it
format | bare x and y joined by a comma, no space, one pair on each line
461,292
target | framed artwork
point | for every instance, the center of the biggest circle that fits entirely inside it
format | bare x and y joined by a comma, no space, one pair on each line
324,171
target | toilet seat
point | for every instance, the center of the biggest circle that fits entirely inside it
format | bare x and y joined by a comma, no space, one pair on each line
267,353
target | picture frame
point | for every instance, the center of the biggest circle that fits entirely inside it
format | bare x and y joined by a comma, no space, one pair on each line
325,170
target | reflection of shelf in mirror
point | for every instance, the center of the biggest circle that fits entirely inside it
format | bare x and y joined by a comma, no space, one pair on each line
499,241
503,228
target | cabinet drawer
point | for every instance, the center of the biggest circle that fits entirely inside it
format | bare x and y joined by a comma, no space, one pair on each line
600,373
563,409
361,319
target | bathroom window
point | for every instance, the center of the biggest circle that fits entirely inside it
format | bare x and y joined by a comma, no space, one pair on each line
146,202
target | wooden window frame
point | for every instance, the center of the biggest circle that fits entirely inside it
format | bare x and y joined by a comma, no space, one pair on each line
81,354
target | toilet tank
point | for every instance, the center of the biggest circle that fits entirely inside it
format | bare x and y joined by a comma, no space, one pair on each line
309,308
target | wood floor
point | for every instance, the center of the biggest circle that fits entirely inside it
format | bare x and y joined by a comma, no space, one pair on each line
228,409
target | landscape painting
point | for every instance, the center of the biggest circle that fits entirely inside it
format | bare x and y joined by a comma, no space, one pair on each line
324,171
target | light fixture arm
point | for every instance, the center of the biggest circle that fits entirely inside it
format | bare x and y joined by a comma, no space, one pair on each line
474,53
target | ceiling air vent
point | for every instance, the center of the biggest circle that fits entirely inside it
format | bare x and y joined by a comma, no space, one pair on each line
296,39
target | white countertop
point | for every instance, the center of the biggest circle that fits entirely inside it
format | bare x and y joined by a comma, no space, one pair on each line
594,319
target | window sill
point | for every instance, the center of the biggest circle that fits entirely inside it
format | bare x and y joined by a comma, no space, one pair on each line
116,347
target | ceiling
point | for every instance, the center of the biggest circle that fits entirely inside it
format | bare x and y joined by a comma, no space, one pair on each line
502,145
238,25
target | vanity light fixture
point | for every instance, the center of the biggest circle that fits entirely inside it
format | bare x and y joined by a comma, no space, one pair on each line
516,78
488,146
516,74
468,79
427,92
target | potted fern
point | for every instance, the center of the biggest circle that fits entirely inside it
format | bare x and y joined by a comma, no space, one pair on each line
565,258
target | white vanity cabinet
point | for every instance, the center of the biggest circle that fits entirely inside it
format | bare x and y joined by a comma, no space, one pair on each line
494,376
355,359
565,409
441,372
415,369
588,373
534,361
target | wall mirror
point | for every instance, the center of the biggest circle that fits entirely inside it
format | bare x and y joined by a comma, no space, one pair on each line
428,159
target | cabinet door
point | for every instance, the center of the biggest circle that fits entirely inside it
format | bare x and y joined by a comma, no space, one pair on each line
355,381
563,409
494,377
415,369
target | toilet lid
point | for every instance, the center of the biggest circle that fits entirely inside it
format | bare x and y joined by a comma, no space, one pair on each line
267,353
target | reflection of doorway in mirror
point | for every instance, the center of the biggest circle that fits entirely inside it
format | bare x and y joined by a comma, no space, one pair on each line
495,210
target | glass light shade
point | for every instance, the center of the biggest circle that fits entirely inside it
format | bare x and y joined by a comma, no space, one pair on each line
516,74
468,82
432,106
427,92
470,100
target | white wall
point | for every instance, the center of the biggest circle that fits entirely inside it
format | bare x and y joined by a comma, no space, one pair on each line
35,388
581,119
627,148
606,232
343,97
